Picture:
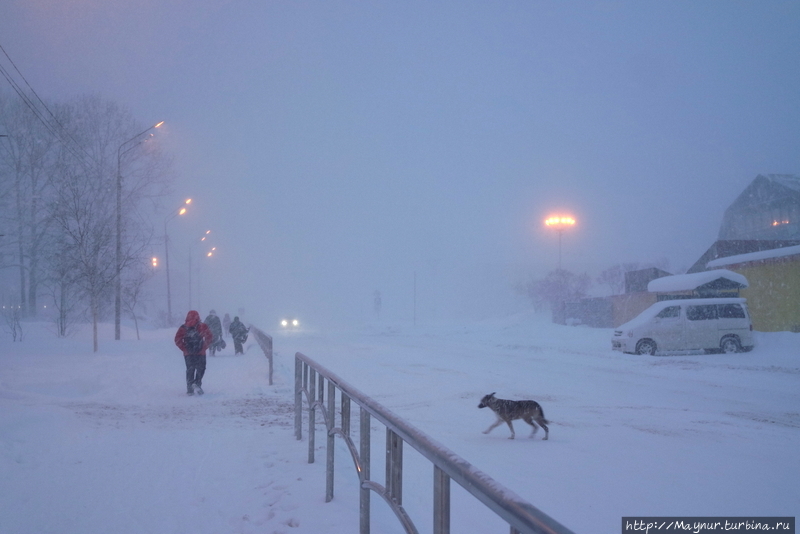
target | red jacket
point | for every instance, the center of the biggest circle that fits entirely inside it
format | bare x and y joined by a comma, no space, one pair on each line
193,319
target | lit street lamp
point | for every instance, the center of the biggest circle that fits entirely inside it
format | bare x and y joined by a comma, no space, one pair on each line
118,254
559,223
166,256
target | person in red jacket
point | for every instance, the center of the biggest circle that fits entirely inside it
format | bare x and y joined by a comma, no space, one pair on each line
193,338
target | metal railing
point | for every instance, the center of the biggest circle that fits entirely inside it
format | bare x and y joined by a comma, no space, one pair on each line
311,379
265,342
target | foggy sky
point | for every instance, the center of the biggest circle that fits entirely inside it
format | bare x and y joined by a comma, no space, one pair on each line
338,148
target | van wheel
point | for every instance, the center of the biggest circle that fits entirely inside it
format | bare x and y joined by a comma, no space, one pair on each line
646,346
729,345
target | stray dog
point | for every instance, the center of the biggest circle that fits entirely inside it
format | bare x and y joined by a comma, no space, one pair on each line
508,410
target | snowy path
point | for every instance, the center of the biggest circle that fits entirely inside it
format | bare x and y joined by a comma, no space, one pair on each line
110,443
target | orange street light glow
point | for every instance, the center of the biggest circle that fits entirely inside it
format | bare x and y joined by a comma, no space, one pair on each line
155,262
159,124
183,210
188,201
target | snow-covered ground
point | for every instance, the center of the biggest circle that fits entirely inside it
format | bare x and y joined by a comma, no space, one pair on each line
109,442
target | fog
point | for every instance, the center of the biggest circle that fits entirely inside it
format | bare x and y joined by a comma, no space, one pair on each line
336,149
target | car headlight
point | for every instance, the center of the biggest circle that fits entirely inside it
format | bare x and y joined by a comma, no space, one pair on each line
295,323
284,323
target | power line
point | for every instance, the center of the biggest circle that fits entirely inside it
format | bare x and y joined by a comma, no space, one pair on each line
61,133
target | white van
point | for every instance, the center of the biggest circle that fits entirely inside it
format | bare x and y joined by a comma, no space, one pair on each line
718,324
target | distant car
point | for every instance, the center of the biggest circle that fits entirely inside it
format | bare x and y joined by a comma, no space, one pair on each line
718,325
290,323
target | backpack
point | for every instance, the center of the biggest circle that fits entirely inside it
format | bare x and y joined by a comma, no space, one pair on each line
193,341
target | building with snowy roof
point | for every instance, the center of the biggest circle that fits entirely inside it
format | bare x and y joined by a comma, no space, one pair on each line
709,284
773,292
759,238
768,209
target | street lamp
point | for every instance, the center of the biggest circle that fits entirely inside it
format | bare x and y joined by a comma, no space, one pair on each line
559,223
166,256
118,254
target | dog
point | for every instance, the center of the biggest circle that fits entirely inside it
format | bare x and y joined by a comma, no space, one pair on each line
508,410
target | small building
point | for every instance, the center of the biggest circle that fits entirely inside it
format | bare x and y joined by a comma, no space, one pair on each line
773,294
636,281
718,283
610,312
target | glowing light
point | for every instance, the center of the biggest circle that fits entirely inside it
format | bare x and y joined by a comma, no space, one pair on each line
188,201
158,125
183,210
778,223
155,262
560,221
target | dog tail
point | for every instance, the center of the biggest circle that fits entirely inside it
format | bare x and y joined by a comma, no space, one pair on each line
543,417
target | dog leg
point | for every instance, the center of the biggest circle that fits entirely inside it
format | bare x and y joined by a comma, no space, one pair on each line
534,431
511,427
493,426
533,426
546,430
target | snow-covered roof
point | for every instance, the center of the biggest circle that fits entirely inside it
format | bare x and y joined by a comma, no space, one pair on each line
755,256
786,180
688,282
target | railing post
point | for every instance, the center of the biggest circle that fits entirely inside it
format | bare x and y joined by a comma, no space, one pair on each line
270,361
394,466
441,501
298,398
345,414
312,401
330,444
364,453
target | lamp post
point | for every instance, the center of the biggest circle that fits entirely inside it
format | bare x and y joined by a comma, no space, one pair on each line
559,223
166,257
118,254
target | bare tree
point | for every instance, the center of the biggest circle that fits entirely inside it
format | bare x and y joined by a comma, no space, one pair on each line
558,287
69,192
84,216
133,290
26,161
11,318
614,278
62,287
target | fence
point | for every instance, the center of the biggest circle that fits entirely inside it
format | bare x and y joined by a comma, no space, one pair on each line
265,342
311,379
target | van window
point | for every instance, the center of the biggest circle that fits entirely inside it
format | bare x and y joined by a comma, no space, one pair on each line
730,311
670,311
703,312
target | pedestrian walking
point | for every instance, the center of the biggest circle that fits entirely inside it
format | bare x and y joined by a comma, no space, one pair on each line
215,325
193,338
239,334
